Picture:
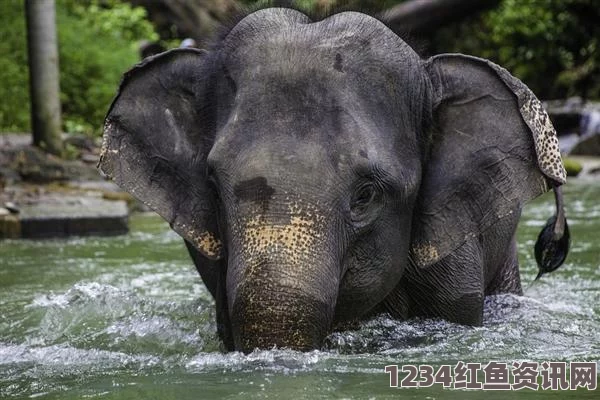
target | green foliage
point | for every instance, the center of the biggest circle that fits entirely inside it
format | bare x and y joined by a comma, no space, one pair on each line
14,79
98,41
552,45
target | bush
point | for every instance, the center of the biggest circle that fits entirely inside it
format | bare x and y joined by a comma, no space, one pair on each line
14,81
98,41
552,45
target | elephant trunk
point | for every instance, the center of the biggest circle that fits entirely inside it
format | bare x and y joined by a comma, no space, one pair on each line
264,316
282,283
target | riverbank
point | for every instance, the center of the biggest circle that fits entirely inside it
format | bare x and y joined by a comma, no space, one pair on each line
590,167
44,196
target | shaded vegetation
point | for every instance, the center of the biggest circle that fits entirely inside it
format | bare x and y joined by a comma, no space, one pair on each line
98,41
14,81
552,45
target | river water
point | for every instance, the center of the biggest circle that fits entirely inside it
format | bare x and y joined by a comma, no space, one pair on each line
129,318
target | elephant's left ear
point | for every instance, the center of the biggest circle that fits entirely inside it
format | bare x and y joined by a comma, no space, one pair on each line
493,148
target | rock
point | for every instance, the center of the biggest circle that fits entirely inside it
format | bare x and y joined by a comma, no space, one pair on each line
587,146
567,142
78,171
590,166
36,166
565,114
30,164
81,142
74,216
574,115
45,196
102,185
12,207
109,195
10,227
15,139
89,158
578,125
590,123
9,176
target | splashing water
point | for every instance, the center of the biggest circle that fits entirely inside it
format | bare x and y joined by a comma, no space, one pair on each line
129,317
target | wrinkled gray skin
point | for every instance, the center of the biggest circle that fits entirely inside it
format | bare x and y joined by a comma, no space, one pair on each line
322,172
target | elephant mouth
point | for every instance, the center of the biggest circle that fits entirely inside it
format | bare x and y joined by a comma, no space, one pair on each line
279,320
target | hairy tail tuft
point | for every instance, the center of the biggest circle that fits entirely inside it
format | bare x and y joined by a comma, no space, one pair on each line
552,245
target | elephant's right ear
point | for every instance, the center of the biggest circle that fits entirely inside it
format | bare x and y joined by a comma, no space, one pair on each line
493,149
157,135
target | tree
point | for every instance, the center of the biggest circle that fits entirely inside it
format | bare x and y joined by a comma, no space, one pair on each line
196,19
44,75
552,45
420,17
98,41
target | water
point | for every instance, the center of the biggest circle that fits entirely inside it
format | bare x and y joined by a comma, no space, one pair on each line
129,318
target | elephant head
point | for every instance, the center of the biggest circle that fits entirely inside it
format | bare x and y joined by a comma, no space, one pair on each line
309,163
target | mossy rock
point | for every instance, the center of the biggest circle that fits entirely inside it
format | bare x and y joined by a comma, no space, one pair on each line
573,167
34,165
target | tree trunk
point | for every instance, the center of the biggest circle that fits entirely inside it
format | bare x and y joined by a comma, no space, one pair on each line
44,75
196,19
424,17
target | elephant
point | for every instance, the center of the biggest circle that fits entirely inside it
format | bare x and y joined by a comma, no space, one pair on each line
322,172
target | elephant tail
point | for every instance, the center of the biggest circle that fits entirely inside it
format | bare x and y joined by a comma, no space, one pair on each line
552,245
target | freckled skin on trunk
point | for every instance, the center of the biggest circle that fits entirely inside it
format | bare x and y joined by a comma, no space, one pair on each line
283,282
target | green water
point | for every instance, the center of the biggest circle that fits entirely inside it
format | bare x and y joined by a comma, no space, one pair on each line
129,318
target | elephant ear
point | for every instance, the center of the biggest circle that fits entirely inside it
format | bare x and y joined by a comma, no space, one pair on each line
493,148
157,135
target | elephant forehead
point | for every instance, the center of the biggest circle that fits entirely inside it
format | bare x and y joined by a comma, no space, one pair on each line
289,135
328,49
285,29
262,162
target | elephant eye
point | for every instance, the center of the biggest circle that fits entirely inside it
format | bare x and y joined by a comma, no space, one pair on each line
212,183
363,197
